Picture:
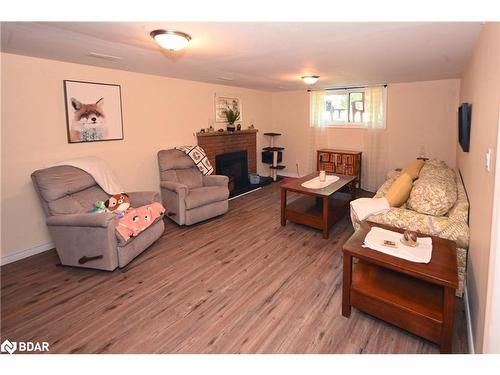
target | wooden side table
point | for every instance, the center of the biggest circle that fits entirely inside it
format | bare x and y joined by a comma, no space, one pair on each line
417,297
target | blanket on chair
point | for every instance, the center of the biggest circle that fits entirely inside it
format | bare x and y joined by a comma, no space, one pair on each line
139,219
199,157
98,169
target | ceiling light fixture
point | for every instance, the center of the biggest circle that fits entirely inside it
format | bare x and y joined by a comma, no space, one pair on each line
310,80
171,39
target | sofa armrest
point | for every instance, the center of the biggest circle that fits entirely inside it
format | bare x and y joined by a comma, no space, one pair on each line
142,198
410,220
176,187
102,220
215,180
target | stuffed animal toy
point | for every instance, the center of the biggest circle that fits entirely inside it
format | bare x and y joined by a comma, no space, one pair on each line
138,219
118,204
99,207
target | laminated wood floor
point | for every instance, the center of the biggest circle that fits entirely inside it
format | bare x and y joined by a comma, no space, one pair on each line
236,284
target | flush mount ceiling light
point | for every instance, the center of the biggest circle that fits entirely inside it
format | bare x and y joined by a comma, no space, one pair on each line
310,80
171,39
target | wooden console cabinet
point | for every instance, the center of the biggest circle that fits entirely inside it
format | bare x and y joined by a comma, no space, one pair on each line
341,162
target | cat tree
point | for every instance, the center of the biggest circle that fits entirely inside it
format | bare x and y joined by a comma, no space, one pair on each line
273,155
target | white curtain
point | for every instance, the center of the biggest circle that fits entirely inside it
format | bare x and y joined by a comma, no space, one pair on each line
375,153
318,130
375,148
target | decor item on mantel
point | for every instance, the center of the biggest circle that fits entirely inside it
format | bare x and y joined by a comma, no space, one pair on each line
232,114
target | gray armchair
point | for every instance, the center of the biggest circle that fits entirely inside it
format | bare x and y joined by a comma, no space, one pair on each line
188,196
82,239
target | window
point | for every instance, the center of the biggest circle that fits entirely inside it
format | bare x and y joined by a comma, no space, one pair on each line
339,108
345,107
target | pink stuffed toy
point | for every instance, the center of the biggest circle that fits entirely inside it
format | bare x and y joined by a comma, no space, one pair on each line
138,219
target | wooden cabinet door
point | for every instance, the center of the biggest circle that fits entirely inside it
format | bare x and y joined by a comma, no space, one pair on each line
328,167
337,162
340,168
355,169
348,164
324,157
348,159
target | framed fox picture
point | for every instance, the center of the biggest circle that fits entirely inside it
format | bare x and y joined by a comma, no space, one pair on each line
93,111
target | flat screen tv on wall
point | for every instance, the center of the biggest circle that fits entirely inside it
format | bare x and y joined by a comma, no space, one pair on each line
464,122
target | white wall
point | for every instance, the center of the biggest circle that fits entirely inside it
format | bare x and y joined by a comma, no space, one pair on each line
481,87
418,113
158,113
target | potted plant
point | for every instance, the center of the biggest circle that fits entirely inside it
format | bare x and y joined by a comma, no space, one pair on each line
232,115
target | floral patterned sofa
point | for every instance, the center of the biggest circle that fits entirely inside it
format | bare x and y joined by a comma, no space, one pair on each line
437,206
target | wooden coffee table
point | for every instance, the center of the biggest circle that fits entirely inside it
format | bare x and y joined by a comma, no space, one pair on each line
414,296
318,208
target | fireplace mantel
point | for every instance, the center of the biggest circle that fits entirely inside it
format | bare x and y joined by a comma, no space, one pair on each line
225,132
217,143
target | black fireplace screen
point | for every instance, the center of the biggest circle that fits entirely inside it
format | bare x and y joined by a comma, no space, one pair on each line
235,166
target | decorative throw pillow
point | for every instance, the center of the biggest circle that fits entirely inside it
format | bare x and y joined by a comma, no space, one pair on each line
435,192
413,169
395,173
435,163
382,190
400,190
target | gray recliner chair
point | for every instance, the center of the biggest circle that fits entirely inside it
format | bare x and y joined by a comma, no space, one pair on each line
83,239
188,196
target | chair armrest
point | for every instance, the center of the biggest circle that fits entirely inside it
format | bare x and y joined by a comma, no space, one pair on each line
215,180
176,187
142,198
102,220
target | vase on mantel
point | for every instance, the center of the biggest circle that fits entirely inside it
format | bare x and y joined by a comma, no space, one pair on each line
230,127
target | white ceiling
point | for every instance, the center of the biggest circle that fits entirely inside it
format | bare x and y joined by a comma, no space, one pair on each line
265,56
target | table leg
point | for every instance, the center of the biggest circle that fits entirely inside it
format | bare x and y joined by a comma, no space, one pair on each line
326,206
359,172
346,285
283,206
448,315
353,190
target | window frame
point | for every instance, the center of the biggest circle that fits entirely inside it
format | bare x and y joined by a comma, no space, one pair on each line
344,124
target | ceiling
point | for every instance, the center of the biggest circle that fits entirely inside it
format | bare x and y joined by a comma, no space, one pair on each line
269,56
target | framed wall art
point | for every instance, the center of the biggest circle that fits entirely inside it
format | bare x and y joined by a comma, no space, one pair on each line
226,101
93,111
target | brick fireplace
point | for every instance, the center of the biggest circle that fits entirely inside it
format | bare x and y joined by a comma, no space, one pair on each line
226,149
217,143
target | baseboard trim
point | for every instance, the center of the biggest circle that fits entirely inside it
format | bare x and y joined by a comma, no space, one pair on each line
26,253
288,174
245,193
470,335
